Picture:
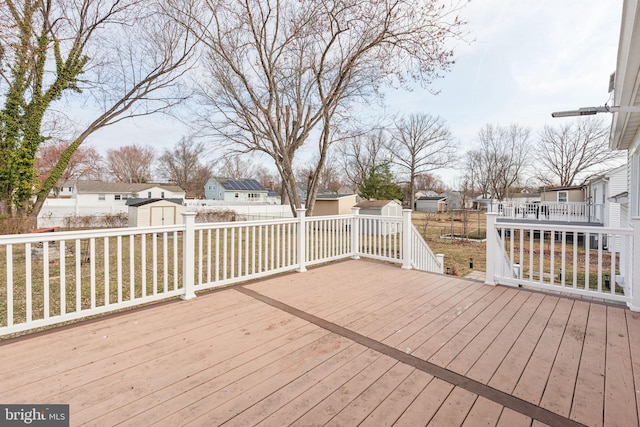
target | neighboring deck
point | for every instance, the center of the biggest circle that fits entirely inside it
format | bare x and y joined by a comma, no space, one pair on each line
349,343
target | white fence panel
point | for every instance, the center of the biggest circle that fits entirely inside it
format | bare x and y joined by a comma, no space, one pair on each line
58,277
589,261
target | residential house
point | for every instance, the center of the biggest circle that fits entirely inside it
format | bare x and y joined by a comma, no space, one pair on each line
625,128
572,194
235,190
454,200
93,193
601,192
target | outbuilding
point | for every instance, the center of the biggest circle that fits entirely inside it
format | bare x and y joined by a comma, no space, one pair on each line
381,208
334,204
152,212
431,204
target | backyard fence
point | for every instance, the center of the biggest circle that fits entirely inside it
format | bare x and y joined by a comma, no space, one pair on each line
581,260
51,278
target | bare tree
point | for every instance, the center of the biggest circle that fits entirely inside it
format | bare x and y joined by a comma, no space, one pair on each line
116,58
237,167
330,178
429,181
421,143
183,166
362,152
267,178
569,150
85,163
499,162
282,72
131,163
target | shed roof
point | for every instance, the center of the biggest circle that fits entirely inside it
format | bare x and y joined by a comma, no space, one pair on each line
141,202
332,196
433,199
122,187
374,204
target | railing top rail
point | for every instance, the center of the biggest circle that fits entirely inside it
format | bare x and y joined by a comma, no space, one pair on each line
240,224
85,234
519,202
574,228
328,217
381,217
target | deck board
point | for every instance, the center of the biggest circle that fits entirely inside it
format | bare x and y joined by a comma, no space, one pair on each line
618,374
232,358
483,413
559,391
485,366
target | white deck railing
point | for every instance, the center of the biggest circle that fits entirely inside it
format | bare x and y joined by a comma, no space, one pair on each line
549,211
58,277
423,257
589,261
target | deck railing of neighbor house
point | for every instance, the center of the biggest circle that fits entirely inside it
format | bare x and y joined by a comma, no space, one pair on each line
549,211
581,260
58,277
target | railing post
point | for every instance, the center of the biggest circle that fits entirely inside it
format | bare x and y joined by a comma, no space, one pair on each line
440,258
302,238
491,249
188,255
355,233
406,239
633,267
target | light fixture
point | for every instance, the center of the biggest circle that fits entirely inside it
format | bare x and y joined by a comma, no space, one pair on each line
589,111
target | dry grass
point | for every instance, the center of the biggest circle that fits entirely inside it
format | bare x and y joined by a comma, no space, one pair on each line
457,252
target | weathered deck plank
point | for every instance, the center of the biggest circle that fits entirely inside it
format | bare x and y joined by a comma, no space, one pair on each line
618,374
232,358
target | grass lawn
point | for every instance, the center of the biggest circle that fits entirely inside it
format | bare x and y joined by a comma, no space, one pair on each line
457,252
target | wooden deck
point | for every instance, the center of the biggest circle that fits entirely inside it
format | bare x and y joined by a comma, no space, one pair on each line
349,343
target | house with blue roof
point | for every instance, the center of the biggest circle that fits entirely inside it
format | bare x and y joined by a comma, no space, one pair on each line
235,190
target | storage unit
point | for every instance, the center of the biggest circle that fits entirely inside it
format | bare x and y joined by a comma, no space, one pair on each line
152,212
334,204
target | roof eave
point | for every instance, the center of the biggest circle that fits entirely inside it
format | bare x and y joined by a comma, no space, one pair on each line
625,125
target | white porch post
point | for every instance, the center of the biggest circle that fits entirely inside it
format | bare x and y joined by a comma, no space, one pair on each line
188,255
633,266
302,237
491,249
440,258
355,233
406,239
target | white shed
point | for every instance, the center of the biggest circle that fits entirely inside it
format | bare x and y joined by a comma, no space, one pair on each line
151,212
431,204
381,208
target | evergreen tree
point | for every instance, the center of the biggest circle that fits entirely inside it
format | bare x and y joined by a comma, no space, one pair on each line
379,184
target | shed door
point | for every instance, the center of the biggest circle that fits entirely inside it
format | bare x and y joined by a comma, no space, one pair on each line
163,215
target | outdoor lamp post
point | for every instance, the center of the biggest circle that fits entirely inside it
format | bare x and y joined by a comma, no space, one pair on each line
589,111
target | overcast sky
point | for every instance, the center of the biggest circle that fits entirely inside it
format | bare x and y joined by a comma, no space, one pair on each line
524,59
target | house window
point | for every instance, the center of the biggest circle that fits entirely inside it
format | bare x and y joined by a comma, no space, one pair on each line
563,197
162,195
100,196
116,197
69,189
149,195
237,195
